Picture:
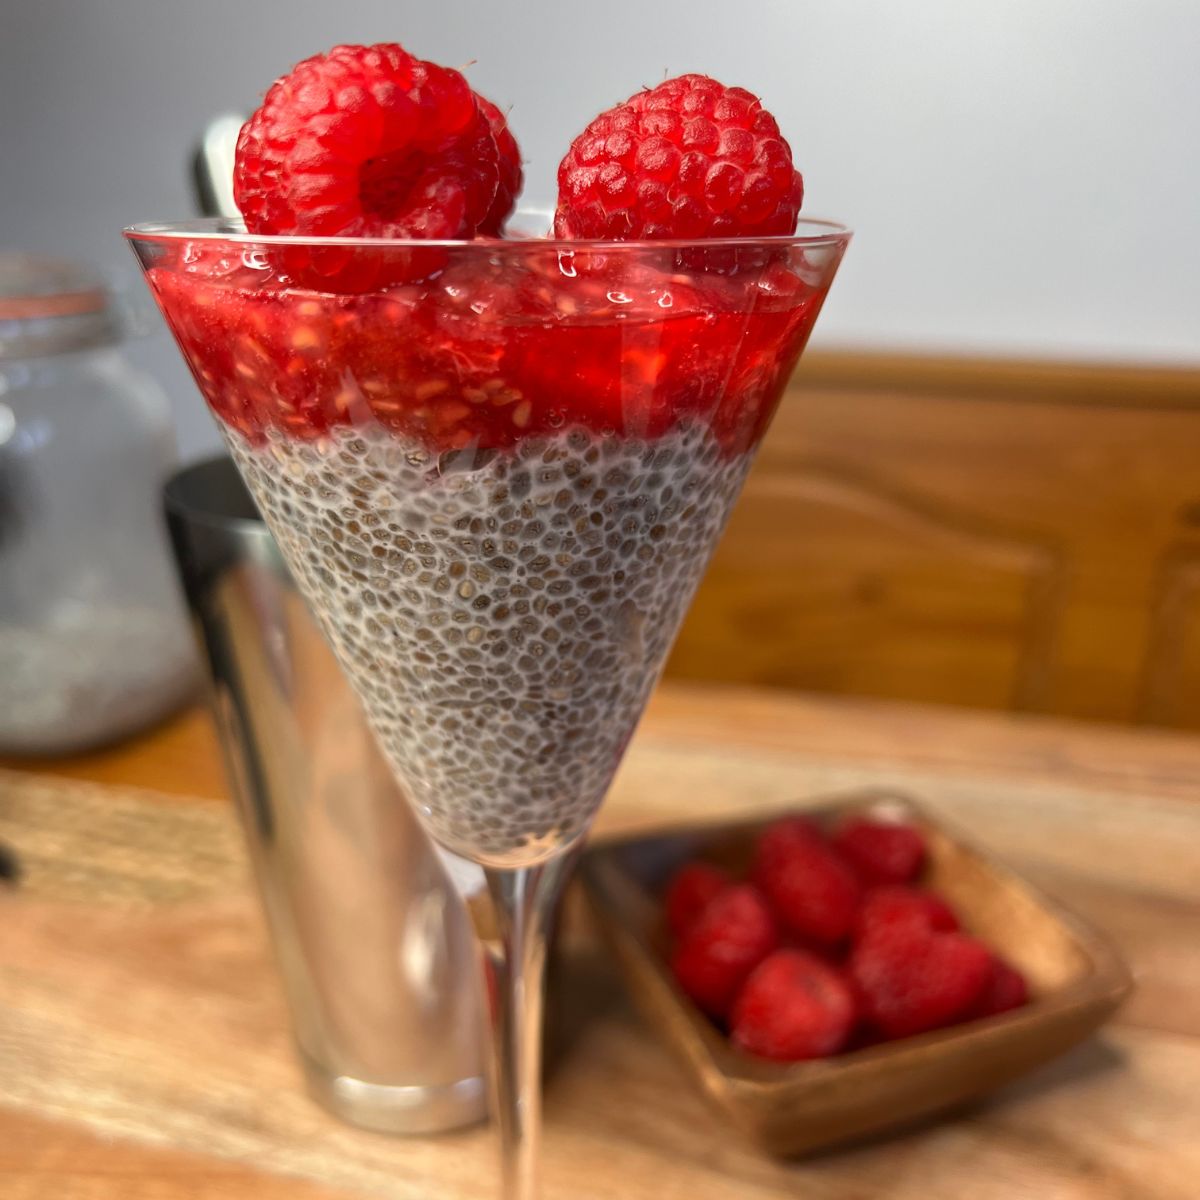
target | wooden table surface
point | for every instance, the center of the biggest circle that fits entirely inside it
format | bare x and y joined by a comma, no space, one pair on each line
142,1045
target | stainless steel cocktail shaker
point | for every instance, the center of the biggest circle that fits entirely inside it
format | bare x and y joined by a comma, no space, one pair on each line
373,943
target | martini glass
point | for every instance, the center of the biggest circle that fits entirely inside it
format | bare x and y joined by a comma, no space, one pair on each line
497,470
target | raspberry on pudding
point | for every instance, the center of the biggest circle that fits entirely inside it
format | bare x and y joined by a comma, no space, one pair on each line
368,141
488,353
689,158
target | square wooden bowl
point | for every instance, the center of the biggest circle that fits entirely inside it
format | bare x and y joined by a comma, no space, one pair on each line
1076,982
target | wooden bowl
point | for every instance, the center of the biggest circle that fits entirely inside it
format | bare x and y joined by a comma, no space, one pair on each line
1076,982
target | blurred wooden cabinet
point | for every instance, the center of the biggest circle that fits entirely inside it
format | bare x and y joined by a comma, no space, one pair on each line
1003,535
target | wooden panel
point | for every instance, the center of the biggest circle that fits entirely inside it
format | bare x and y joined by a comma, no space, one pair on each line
1171,693
994,534
834,583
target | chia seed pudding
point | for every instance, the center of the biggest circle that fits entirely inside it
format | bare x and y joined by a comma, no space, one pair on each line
503,615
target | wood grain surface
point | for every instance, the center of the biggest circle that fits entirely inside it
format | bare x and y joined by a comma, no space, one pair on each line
143,1050
1005,535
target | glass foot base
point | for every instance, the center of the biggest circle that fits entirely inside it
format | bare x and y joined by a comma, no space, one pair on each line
383,1108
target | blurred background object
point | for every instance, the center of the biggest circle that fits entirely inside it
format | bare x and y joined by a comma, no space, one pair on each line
986,493
93,644
212,166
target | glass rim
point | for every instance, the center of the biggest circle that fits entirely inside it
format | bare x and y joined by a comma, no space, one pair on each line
826,233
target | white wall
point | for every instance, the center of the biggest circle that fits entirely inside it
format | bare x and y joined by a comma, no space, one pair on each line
1023,175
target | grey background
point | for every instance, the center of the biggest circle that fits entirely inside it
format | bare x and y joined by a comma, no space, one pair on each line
1023,176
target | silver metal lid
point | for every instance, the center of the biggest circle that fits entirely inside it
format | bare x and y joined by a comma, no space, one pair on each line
49,306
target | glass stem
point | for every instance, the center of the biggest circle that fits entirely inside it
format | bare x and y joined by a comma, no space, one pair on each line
524,901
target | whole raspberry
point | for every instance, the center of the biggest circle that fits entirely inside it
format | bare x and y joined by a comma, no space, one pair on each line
1006,989
689,158
912,979
692,888
367,141
813,892
898,905
792,1007
880,851
511,175
730,938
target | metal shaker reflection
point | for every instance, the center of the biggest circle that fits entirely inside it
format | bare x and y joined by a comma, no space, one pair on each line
373,943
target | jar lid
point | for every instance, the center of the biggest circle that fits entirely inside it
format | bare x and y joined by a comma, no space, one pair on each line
50,306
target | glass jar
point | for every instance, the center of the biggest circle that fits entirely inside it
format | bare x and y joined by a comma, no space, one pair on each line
93,641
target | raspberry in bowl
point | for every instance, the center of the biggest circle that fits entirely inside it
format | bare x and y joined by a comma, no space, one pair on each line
942,988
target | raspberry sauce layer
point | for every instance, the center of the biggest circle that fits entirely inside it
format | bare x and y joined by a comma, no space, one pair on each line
487,352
